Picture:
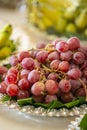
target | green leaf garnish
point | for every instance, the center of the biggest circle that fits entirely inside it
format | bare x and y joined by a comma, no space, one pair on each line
7,65
83,123
53,105
5,98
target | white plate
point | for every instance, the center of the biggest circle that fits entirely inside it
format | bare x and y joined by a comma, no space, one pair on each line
38,118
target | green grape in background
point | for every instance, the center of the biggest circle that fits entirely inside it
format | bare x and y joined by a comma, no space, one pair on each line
81,20
5,52
5,33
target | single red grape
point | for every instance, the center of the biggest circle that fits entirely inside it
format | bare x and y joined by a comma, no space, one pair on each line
66,56
3,70
63,66
11,78
67,97
12,90
22,94
51,87
65,85
24,84
12,70
28,63
34,76
54,64
50,98
42,56
38,88
79,58
53,56
74,73
13,60
62,46
3,87
24,73
73,43
22,55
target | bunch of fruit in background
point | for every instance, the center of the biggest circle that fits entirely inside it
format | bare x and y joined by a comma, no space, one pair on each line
7,46
66,18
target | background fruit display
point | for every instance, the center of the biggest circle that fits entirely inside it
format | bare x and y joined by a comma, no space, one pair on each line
64,18
7,45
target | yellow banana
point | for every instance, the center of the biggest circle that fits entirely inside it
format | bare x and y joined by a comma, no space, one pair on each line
61,24
71,12
85,32
81,20
71,28
5,33
5,52
11,44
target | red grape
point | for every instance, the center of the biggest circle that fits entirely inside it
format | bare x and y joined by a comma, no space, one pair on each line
63,66
11,78
62,46
12,90
56,41
34,76
73,43
65,85
75,84
84,65
3,87
28,63
12,70
13,60
54,64
74,73
67,97
22,55
42,56
38,88
85,73
50,98
79,58
38,98
66,56
24,84
3,70
80,92
51,87
73,66
53,76
53,56
40,45
83,49
24,73
22,94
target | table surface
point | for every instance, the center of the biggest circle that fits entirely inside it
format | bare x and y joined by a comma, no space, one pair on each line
28,38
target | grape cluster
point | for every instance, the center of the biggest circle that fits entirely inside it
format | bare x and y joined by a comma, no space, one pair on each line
56,71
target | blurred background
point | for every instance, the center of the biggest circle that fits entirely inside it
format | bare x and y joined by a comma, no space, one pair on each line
36,21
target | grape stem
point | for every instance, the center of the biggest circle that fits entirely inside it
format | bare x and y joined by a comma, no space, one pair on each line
85,87
46,68
56,71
